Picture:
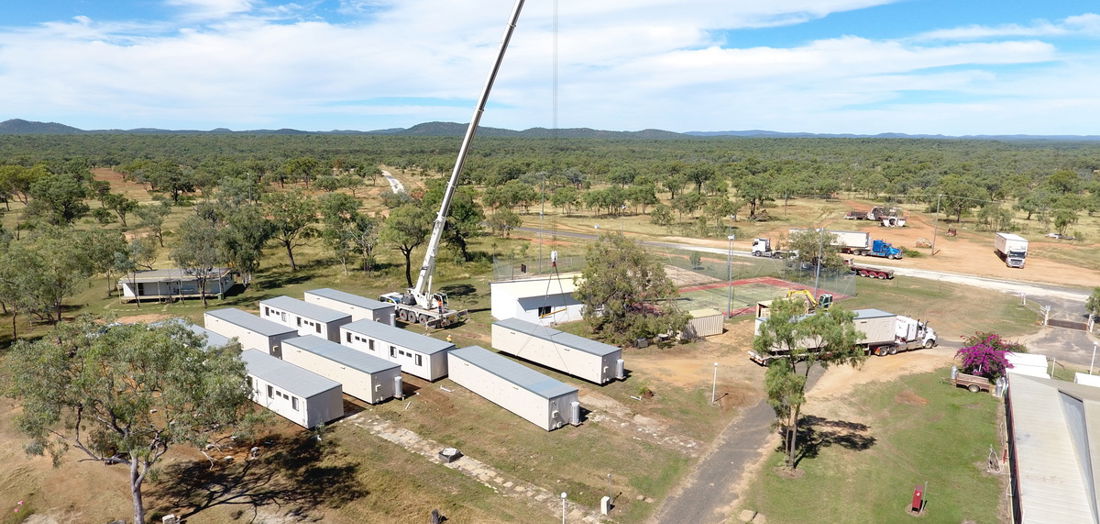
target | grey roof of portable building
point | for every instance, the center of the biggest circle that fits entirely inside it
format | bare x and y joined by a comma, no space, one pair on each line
556,335
513,372
342,354
397,336
305,309
1057,472
349,298
251,322
213,340
172,275
871,313
284,375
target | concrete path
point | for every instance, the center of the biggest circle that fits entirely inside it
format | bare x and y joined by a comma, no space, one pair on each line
395,185
482,472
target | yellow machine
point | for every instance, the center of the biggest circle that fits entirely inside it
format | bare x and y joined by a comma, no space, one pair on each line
763,309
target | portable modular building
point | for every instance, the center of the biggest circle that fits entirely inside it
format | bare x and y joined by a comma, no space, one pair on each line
170,284
303,397
308,319
537,398
358,307
542,300
571,354
418,355
251,331
362,376
704,323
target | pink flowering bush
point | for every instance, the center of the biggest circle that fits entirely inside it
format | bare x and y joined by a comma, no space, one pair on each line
985,355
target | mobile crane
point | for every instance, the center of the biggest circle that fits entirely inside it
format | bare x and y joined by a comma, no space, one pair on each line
419,304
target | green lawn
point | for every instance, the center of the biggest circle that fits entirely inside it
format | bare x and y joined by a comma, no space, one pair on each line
920,430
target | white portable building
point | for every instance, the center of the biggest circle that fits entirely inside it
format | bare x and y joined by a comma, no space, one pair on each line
358,307
1030,364
544,300
303,397
362,376
1086,379
537,398
169,284
308,319
704,323
571,354
419,355
251,331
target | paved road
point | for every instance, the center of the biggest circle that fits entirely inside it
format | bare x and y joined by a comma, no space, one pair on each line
395,185
708,490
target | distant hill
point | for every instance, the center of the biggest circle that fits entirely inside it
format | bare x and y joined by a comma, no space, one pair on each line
455,129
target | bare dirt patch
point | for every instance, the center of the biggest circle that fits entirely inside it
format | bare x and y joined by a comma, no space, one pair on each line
838,381
132,190
143,319
911,398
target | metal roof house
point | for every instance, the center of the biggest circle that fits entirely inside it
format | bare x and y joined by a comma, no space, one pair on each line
358,307
174,284
543,300
578,356
419,355
308,319
1053,427
537,398
251,331
301,396
367,378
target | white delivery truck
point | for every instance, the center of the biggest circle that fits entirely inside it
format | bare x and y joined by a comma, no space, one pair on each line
1012,248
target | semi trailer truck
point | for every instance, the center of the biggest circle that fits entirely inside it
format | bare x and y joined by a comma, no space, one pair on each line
1012,248
860,243
881,333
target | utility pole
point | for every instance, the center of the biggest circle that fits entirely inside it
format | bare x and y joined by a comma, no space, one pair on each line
936,227
729,276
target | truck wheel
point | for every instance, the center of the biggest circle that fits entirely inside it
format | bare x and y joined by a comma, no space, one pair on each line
893,350
974,388
422,319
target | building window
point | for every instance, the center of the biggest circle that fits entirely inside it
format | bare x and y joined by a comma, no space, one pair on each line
317,326
270,391
299,321
544,311
393,350
348,336
419,361
370,344
294,403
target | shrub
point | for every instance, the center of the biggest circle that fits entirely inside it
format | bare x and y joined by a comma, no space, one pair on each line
985,355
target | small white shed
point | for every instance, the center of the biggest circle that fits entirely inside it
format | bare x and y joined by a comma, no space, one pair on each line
704,323
303,397
251,331
537,398
308,319
571,354
164,284
544,300
358,307
419,355
1086,379
362,376
1030,364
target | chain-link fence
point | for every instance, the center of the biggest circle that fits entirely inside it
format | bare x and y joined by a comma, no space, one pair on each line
516,268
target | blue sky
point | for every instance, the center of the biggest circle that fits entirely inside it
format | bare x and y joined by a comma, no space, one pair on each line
833,66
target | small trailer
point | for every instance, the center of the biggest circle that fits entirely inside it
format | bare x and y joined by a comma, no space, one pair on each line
537,398
973,383
881,334
565,352
308,319
251,331
367,378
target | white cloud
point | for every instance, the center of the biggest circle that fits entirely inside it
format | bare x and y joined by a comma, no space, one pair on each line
211,9
1086,24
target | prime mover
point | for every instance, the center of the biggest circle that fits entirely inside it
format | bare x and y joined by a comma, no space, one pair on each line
1012,248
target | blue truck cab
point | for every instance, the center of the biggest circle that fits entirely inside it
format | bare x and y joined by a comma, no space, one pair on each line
882,248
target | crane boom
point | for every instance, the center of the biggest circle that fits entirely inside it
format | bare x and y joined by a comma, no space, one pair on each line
422,292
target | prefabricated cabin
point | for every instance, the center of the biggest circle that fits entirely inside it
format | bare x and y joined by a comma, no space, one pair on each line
362,376
303,397
358,307
308,319
172,284
419,355
537,398
571,354
251,331
542,300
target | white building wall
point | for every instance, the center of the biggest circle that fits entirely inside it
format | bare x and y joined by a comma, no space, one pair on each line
187,287
368,387
304,325
249,339
593,368
384,315
307,413
504,304
527,405
413,362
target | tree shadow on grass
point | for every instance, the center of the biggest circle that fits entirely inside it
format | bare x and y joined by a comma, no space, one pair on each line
293,477
816,433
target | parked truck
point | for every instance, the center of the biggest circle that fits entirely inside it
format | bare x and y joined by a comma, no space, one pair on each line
881,334
869,271
1012,248
860,243
762,247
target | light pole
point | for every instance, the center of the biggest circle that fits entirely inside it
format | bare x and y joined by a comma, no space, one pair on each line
1093,357
563,496
714,383
729,276
936,227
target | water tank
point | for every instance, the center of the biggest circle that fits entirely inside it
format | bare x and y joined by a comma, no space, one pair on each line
575,419
397,390
620,369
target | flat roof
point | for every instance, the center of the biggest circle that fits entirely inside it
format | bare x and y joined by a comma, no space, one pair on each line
513,372
251,322
284,375
561,337
1011,236
340,353
304,309
401,337
703,313
171,275
1086,379
349,298
213,340
871,313
537,287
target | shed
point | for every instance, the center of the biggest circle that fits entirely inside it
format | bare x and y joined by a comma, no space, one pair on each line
537,398
358,307
1030,364
308,319
543,300
1086,379
251,331
419,355
210,338
303,397
571,354
704,323
362,376
170,284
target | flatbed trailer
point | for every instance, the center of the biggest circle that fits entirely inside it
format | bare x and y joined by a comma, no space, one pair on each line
868,271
